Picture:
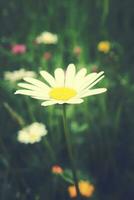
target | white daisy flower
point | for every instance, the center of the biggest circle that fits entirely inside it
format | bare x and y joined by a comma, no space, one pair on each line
65,87
47,38
32,133
17,75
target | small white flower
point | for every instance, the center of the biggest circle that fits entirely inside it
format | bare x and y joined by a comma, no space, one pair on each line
32,133
17,75
47,38
65,87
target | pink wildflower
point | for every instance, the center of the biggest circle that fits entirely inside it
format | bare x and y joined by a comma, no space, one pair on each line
18,48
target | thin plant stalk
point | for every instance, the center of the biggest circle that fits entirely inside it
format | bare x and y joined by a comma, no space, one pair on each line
14,115
50,150
70,154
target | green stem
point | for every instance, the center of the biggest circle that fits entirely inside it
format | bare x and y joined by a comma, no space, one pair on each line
14,115
50,150
69,149
30,111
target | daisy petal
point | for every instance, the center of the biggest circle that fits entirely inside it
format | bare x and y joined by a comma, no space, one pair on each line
59,77
89,79
48,77
37,83
69,75
93,92
28,86
25,92
79,77
95,82
75,101
40,95
60,102
48,103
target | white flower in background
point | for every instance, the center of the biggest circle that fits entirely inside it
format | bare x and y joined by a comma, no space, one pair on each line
65,87
32,133
17,75
47,38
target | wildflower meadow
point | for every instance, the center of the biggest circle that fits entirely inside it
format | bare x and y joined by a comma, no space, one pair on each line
66,100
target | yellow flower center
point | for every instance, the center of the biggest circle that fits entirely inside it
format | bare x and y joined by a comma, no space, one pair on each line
62,93
104,46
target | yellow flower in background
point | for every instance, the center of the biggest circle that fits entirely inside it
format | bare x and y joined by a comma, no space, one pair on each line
47,38
85,187
104,46
17,75
65,87
32,133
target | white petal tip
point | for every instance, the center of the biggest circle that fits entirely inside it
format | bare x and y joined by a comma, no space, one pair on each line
43,104
20,84
42,71
25,78
75,101
71,65
102,72
105,89
17,92
101,90
61,103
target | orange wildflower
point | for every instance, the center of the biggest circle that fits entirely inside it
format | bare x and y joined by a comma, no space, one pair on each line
86,189
56,169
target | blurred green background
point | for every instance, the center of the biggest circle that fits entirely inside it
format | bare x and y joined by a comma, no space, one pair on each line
101,128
